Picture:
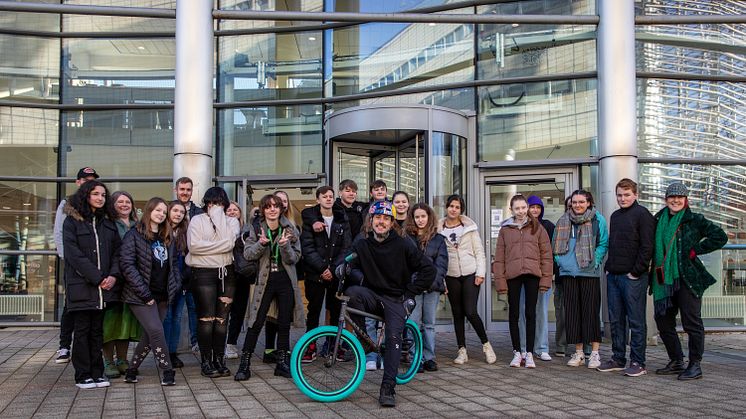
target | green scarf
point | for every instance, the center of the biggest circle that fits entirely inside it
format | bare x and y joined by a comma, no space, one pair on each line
668,257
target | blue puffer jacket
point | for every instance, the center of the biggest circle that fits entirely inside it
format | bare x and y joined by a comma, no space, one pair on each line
437,251
568,264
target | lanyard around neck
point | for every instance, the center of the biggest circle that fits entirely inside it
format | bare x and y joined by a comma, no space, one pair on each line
274,246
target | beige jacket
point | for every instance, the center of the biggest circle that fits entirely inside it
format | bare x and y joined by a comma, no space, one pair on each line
210,239
468,257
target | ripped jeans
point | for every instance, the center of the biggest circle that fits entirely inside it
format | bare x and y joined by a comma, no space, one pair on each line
213,290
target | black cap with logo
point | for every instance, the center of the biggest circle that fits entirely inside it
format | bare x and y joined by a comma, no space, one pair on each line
86,172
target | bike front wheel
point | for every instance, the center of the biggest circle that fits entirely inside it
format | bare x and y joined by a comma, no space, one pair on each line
411,352
329,377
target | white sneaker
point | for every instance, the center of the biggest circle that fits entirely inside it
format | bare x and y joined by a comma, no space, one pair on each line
102,382
195,349
530,360
517,358
231,352
489,354
545,357
595,360
462,357
86,384
63,356
577,359
371,366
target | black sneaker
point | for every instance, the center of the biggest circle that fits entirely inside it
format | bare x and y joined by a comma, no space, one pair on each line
130,376
674,367
635,370
63,356
168,378
86,384
387,397
102,382
610,365
431,365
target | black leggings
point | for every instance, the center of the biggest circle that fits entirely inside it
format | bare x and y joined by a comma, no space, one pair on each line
463,296
531,284
280,287
212,314
238,308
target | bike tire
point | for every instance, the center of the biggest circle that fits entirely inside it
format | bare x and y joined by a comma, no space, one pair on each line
317,380
411,329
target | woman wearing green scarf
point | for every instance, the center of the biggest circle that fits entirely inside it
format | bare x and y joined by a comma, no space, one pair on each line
679,278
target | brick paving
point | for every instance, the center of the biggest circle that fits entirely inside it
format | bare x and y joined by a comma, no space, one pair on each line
32,385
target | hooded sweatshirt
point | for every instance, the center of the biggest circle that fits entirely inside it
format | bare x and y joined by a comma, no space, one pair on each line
210,239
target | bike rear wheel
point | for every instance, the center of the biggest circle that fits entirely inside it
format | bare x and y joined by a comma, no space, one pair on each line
412,351
325,379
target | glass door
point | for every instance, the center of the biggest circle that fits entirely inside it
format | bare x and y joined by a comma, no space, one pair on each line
498,190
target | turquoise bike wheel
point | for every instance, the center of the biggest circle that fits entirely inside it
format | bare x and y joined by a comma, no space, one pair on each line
320,378
411,351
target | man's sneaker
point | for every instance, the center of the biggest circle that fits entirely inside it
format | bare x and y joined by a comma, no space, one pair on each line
371,366
102,382
577,359
489,354
63,356
387,397
130,376
310,354
169,378
523,359
86,384
544,356
635,370
517,359
559,353
462,357
595,360
530,360
231,352
110,370
344,355
431,365
610,365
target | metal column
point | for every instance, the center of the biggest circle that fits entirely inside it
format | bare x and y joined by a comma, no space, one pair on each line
193,125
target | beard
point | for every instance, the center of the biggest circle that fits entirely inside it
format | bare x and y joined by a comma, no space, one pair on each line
381,237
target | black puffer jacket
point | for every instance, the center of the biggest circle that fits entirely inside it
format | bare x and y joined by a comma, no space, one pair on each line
91,254
321,251
355,214
631,239
136,261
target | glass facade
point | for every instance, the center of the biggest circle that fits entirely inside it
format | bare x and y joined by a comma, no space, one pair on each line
93,90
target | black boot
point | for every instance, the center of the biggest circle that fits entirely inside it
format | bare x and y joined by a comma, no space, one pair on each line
175,361
673,367
244,367
283,364
219,363
692,372
208,368
387,397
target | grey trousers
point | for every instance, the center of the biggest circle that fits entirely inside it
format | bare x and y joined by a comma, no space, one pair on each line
151,320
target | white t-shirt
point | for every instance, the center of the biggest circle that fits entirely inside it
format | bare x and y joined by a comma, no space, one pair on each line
328,224
453,234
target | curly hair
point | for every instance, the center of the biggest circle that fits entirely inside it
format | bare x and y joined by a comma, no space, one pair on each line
79,201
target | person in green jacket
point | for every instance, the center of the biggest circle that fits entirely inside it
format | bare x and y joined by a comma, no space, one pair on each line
679,278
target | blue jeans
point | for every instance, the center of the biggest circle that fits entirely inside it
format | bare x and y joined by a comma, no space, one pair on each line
424,316
370,328
172,322
541,340
627,302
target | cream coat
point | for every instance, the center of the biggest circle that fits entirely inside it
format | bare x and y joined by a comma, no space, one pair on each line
469,257
211,247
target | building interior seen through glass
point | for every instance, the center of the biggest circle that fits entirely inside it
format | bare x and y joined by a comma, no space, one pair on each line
96,90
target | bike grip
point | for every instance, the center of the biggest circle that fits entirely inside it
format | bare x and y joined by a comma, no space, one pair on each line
349,258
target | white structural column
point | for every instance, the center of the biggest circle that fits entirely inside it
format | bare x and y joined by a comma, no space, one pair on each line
193,125
617,120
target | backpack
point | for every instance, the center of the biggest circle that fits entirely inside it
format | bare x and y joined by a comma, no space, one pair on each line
241,266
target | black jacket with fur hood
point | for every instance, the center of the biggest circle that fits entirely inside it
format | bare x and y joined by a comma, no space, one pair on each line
91,254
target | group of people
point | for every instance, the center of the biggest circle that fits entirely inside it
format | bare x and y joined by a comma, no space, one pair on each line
127,278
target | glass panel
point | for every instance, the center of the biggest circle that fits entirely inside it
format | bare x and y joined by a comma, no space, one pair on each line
270,66
384,168
412,169
27,215
718,193
28,141
542,7
271,140
538,121
27,281
691,119
688,7
119,142
447,169
553,195
119,71
38,21
461,99
31,71
354,164
82,23
268,5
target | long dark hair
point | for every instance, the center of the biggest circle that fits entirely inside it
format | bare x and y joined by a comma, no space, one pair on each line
531,220
179,231
430,229
164,228
79,201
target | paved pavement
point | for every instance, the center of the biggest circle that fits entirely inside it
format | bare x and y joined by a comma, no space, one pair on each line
32,385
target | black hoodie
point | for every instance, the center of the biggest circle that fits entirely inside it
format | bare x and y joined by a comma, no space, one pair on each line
355,214
386,267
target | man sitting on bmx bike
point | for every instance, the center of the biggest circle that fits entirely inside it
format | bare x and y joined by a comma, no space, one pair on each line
387,274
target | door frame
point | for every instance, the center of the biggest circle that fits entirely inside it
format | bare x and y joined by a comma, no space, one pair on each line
488,177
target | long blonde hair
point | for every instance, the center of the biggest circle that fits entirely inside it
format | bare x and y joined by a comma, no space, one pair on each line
290,213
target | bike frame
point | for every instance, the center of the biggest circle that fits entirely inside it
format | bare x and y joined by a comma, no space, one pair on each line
344,318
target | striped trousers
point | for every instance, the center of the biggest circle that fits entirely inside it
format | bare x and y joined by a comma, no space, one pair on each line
582,298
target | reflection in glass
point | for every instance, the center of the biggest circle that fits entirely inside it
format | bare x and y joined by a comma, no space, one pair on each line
541,7
27,212
120,142
447,169
28,141
31,71
83,23
270,140
268,5
27,284
537,121
691,119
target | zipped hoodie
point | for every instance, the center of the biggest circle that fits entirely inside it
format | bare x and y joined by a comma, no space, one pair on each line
468,257
210,239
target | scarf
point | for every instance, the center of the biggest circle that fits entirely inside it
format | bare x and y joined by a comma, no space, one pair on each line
666,255
584,244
